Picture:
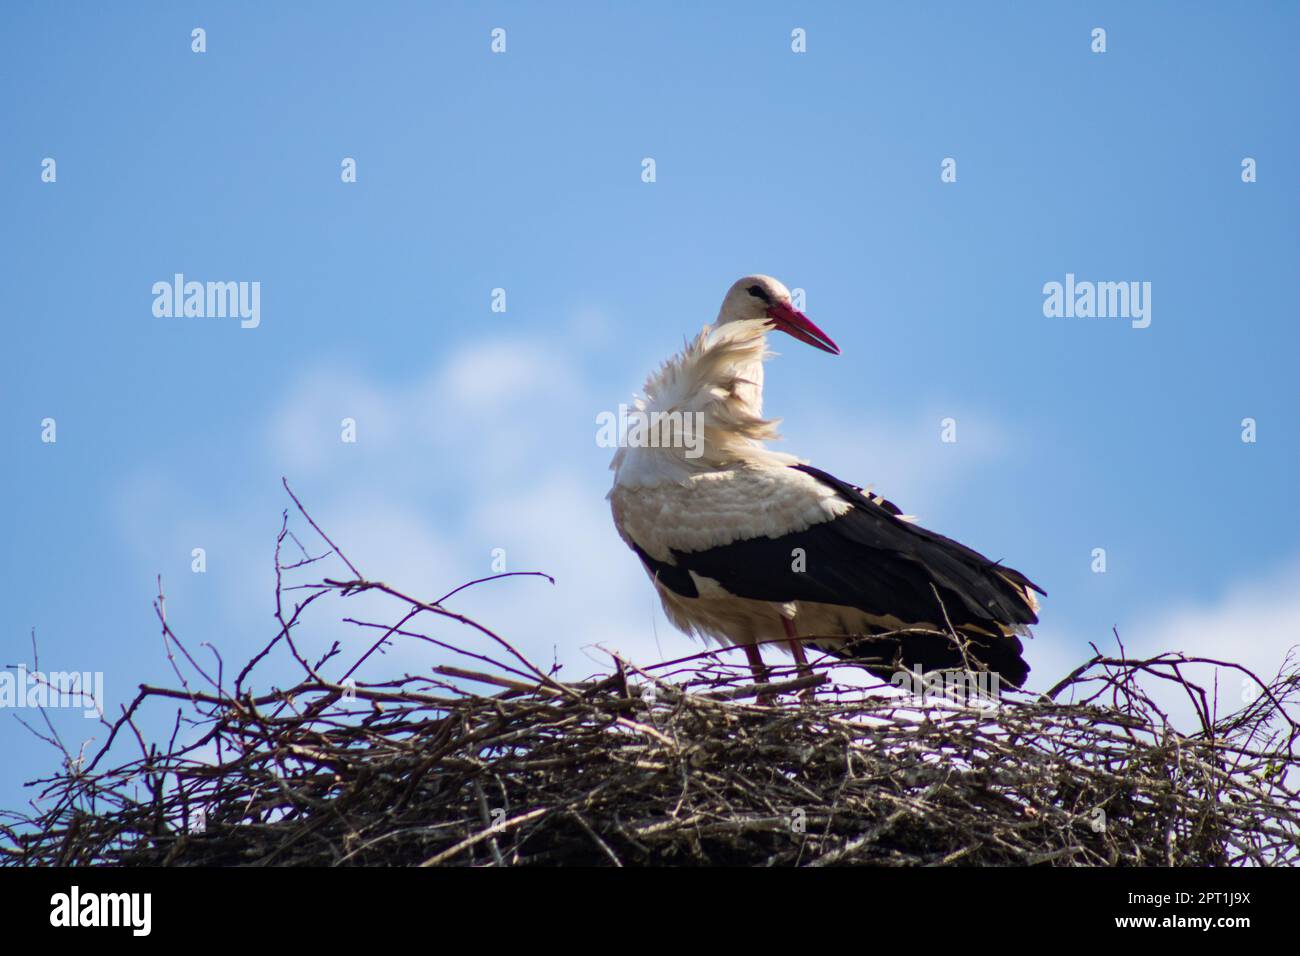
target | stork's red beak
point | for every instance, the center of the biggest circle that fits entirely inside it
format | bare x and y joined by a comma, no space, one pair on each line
793,322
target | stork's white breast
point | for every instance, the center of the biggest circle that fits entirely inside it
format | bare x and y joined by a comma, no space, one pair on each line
718,507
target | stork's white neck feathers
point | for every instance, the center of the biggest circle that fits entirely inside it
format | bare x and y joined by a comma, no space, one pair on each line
717,379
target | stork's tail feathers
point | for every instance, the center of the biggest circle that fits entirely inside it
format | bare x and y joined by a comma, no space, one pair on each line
926,651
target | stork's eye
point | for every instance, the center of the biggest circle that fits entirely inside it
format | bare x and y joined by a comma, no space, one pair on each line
759,293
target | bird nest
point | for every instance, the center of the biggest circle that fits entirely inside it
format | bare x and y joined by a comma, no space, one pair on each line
495,761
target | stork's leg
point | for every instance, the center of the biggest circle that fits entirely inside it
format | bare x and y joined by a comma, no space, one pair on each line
800,658
759,670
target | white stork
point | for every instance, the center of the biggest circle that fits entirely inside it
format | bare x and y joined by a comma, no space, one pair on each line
750,546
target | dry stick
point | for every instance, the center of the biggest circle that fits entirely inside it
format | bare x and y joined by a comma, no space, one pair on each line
315,527
494,577
490,833
487,821
782,687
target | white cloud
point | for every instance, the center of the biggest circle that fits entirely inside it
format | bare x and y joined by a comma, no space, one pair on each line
562,526
488,377
904,460
494,447
305,429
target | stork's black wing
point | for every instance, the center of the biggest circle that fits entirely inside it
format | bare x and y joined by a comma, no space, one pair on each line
872,560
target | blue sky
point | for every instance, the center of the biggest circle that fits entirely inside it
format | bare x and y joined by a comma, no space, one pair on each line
522,170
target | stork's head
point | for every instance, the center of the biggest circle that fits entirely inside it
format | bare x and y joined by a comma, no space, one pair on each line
762,298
